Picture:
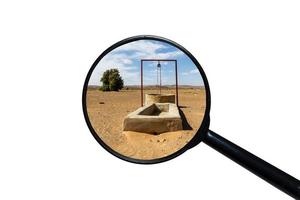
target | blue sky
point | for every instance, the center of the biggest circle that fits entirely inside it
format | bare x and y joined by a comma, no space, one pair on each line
127,58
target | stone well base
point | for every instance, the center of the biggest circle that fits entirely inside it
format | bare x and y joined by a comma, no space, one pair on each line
155,118
159,98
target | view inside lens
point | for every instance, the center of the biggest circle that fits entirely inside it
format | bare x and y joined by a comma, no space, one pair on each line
145,99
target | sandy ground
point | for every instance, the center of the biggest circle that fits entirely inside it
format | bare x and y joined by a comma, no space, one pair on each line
107,110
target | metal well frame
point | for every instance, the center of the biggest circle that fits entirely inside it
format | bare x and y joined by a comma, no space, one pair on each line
158,60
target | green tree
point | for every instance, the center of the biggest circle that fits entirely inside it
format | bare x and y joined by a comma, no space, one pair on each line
112,80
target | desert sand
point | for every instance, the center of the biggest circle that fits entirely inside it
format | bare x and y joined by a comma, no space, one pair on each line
106,111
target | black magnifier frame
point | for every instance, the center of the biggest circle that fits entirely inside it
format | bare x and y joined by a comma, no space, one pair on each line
254,164
205,122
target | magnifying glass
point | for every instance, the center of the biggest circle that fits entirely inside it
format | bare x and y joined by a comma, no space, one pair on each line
146,100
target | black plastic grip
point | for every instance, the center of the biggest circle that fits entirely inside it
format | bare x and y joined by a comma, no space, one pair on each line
259,167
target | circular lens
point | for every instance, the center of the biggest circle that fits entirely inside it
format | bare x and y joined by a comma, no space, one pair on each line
145,99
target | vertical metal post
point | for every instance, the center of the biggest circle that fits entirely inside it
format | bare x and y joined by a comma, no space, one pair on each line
157,78
160,80
176,82
142,95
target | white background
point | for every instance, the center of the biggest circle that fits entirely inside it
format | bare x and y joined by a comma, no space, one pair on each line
249,51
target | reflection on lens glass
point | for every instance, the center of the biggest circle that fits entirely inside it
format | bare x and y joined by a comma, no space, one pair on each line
146,99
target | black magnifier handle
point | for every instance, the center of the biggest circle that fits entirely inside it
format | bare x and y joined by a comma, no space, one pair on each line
261,168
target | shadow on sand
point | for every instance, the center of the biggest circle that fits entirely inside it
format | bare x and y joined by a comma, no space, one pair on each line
185,123
182,107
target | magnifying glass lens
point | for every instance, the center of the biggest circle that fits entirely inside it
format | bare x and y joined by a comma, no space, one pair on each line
145,99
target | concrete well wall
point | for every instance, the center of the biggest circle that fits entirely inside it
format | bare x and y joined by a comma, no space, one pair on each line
146,119
159,98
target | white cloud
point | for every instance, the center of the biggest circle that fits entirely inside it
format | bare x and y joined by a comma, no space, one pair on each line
127,61
124,56
194,71
141,46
